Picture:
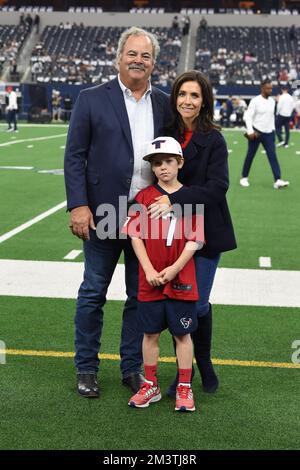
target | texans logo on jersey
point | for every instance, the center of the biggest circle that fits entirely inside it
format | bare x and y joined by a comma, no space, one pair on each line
186,322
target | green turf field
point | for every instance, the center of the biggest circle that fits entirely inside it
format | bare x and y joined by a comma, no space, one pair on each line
256,406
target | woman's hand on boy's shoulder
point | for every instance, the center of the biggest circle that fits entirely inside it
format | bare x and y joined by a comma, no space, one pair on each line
160,207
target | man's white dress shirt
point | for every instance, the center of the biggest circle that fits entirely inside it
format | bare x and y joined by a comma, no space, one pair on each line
140,115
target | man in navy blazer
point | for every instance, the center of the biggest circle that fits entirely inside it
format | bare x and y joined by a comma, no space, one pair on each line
103,163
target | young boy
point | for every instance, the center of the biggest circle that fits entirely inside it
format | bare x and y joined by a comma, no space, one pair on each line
167,291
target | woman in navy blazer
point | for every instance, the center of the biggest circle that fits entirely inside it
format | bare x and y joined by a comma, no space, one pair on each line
206,181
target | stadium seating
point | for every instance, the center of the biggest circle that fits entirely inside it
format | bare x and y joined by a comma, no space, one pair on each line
246,55
12,39
75,54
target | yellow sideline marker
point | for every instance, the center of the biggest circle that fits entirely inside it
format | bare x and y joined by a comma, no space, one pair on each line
116,357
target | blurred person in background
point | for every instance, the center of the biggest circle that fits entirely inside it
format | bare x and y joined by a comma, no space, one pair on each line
67,107
297,112
11,110
239,107
285,109
260,123
229,110
56,105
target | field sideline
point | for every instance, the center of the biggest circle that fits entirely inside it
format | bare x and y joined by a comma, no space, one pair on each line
256,316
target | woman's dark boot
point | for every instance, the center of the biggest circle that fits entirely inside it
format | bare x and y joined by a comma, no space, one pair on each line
202,345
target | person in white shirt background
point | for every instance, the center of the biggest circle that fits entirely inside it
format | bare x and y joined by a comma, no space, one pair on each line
297,111
12,110
285,108
260,123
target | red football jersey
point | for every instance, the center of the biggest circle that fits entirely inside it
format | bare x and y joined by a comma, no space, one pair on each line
164,239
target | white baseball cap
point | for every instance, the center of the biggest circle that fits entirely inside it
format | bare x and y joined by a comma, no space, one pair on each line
161,145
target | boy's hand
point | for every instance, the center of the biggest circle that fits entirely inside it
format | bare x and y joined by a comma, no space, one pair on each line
152,277
168,274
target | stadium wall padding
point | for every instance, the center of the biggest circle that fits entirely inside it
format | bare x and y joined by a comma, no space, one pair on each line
222,92
71,90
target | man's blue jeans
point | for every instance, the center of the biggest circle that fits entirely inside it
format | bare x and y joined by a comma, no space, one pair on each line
205,273
101,257
268,141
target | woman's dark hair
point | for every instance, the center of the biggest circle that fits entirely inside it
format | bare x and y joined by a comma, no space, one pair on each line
205,121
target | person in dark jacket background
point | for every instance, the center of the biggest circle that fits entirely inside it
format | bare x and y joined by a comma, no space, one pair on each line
206,181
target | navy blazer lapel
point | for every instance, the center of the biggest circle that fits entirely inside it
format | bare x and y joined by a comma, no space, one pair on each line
117,99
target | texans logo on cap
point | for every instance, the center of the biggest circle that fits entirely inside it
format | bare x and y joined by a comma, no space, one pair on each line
163,145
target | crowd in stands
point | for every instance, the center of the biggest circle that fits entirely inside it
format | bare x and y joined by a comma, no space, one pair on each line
75,54
12,39
181,24
245,55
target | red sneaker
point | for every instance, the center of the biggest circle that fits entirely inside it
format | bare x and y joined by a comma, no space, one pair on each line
148,393
184,398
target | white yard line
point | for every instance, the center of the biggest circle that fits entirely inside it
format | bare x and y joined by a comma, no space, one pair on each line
54,171
54,279
31,222
264,262
33,139
73,254
16,167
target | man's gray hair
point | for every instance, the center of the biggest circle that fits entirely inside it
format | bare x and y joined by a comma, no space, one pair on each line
134,31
